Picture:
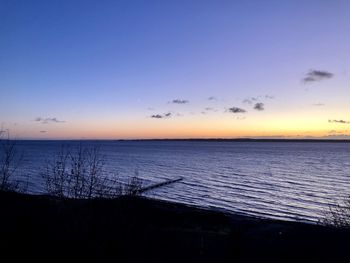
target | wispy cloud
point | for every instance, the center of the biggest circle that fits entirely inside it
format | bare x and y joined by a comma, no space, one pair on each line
339,121
338,132
161,116
43,131
250,100
157,116
236,110
179,101
318,104
317,75
210,109
212,98
259,106
48,120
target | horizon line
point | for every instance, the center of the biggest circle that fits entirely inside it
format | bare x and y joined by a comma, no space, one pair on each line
322,139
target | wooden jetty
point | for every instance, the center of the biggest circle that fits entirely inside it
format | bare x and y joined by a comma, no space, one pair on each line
153,186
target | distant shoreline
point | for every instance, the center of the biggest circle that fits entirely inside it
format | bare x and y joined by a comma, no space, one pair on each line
198,140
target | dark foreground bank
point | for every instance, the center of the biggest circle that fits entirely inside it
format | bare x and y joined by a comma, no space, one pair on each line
130,229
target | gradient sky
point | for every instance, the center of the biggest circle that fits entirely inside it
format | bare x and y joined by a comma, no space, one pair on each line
115,69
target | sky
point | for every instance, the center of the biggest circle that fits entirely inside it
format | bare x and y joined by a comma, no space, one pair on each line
174,69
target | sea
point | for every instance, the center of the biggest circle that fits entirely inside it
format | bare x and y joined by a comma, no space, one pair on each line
291,180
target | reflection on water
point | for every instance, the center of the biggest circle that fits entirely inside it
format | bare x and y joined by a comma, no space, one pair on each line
288,180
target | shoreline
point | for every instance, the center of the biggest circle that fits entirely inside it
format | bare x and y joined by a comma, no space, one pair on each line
139,228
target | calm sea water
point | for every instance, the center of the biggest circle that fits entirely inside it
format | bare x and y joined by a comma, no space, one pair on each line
286,180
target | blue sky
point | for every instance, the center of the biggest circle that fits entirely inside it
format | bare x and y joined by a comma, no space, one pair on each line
102,69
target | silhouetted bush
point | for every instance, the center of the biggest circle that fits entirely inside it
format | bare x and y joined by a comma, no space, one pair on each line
338,215
79,174
9,161
134,186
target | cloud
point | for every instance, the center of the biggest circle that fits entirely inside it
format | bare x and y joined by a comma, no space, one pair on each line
339,121
179,101
317,75
250,100
212,98
211,109
151,109
157,116
236,110
161,116
48,120
318,104
259,106
43,131
247,101
338,132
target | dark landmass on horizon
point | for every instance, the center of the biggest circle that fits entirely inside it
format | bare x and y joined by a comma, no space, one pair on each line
201,140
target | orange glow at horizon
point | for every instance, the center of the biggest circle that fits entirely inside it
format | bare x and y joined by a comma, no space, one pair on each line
186,128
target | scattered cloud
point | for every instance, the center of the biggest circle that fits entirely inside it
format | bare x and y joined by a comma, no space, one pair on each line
161,116
339,121
179,101
259,106
247,101
338,132
210,109
157,116
236,110
250,100
318,104
317,75
212,98
48,120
